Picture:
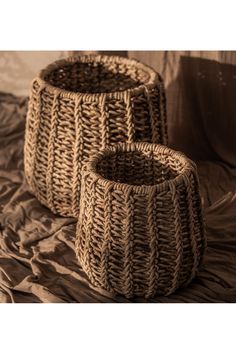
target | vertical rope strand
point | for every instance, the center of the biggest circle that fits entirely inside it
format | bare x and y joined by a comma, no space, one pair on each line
191,225
77,158
105,249
153,244
83,219
104,121
80,222
130,119
34,141
29,137
128,243
153,118
88,248
163,116
177,236
51,155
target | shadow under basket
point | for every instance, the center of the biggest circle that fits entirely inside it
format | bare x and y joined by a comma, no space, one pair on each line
140,230
79,106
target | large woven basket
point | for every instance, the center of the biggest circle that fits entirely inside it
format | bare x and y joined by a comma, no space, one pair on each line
140,230
79,106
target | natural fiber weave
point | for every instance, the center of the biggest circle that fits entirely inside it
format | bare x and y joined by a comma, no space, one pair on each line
79,106
140,230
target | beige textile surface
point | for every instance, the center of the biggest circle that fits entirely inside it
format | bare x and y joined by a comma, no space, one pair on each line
18,68
37,258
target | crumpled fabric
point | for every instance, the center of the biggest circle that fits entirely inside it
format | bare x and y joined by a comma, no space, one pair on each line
37,257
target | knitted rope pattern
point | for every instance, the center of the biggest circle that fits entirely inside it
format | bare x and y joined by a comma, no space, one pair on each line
140,230
79,106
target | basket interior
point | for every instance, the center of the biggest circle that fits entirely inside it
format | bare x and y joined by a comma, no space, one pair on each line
140,168
96,77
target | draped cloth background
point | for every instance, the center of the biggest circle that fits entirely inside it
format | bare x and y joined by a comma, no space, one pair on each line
37,260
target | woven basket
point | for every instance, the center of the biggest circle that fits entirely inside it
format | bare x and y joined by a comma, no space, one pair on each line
140,230
79,106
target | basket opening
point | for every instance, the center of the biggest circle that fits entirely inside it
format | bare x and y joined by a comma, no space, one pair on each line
140,168
95,77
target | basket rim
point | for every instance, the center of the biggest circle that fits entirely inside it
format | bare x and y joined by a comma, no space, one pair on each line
90,167
154,77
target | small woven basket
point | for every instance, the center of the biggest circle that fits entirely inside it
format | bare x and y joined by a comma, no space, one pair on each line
79,106
140,231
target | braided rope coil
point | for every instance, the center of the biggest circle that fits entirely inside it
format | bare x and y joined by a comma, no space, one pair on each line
140,230
79,106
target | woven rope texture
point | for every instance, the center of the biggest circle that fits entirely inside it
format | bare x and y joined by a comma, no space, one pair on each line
79,106
140,230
